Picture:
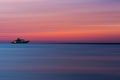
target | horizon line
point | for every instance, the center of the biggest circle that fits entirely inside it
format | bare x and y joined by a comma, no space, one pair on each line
67,42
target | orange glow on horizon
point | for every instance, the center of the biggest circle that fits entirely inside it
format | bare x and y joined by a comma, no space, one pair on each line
54,20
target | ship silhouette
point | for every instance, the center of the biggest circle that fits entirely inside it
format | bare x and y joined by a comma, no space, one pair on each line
19,41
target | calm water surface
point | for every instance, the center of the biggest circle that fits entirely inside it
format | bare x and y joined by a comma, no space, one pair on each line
59,62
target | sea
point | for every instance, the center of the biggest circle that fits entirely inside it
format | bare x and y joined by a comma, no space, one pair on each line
59,61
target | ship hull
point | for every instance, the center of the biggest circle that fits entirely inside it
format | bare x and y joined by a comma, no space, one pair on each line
25,42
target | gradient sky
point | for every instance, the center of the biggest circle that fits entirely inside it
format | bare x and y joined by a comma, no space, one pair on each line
60,20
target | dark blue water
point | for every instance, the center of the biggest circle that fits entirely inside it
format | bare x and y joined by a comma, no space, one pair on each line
59,62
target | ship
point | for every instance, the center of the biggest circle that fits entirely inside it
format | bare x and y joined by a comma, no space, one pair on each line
20,41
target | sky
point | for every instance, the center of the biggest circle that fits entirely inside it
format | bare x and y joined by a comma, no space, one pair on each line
60,20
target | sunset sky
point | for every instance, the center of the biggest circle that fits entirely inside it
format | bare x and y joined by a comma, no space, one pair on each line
60,20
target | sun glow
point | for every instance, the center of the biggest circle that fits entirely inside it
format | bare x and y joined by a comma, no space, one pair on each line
60,19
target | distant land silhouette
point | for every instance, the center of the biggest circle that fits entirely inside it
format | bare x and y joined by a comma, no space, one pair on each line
77,43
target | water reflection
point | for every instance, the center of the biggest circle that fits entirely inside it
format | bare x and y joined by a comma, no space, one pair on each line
59,62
